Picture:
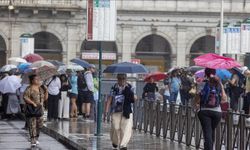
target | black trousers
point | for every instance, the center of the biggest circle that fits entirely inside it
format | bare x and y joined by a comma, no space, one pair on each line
246,103
53,106
5,99
209,121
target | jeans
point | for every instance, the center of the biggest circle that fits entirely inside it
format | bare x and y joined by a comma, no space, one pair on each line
209,121
173,97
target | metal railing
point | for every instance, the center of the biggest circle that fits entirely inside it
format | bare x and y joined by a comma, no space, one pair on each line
181,124
54,3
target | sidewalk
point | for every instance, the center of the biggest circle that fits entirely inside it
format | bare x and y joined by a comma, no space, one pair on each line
80,135
13,137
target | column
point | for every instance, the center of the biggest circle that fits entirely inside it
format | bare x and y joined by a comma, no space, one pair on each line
181,46
15,33
126,42
72,46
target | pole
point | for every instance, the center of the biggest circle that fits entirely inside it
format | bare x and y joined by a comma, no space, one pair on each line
221,27
99,104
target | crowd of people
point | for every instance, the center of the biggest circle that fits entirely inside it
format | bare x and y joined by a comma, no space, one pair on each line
75,94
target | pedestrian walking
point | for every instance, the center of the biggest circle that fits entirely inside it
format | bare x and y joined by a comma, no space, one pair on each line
246,108
73,93
209,99
85,90
64,103
150,90
54,86
175,84
120,99
234,91
35,95
186,85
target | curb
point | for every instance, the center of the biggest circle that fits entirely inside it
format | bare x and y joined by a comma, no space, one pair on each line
62,139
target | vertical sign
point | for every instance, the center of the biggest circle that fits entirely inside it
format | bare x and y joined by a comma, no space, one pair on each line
27,45
101,20
245,38
233,40
217,40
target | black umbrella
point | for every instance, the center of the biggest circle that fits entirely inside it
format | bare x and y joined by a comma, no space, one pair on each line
126,67
81,62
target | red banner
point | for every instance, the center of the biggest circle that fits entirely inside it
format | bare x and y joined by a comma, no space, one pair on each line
90,19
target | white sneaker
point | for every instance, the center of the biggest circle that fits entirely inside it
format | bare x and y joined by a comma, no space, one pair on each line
37,142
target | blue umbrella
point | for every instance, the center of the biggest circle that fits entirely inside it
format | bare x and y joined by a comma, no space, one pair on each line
23,66
80,62
126,67
223,74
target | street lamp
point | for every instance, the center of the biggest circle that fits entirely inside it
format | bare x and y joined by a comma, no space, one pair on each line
10,8
221,26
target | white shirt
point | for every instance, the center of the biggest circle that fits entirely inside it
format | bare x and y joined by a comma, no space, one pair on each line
54,86
89,81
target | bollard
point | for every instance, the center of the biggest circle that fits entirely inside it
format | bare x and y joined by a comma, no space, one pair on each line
151,117
189,125
242,130
141,117
229,123
145,114
172,121
158,118
164,119
180,124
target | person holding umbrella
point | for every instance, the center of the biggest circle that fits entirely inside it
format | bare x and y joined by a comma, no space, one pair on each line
35,95
149,89
120,99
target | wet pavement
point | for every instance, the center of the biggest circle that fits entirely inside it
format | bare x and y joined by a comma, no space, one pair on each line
81,134
13,137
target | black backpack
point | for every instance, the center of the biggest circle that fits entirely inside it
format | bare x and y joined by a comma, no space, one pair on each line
81,82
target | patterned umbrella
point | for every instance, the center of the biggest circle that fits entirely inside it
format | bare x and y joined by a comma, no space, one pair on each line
33,58
41,63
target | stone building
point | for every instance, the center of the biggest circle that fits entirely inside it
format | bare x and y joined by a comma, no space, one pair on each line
161,33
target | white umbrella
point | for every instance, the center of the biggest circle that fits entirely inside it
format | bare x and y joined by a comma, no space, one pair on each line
75,67
10,84
17,59
41,63
7,68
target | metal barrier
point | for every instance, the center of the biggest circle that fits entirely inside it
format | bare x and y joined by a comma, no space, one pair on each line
181,124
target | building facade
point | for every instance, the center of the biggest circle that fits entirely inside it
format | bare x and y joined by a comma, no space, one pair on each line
159,33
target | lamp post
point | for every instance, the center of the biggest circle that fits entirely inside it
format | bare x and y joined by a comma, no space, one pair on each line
10,8
221,26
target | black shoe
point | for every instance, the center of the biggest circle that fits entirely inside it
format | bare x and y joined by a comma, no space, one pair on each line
115,146
123,148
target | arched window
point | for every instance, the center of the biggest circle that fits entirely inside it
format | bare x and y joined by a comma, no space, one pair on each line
154,51
2,51
48,46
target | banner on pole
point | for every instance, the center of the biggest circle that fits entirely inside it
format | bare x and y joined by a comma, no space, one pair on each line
245,38
101,20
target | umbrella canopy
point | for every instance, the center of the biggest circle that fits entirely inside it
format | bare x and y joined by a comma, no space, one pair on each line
41,63
126,67
80,62
56,63
157,76
10,84
215,61
43,73
17,59
33,58
223,74
7,68
23,66
75,67
194,69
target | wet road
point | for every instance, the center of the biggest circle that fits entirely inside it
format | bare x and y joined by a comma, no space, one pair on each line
82,133
13,137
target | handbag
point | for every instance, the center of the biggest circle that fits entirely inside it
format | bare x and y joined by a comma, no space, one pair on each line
32,111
